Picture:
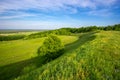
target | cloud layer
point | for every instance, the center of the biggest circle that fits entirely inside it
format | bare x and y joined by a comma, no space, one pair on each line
7,5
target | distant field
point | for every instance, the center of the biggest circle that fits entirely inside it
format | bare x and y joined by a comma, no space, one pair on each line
18,50
18,33
20,30
95,56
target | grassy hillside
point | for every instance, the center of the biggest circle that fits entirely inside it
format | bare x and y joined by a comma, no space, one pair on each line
16,55
18,50
95,56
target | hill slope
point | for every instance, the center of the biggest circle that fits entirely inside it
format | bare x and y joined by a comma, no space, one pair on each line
17,54
18,50
97,57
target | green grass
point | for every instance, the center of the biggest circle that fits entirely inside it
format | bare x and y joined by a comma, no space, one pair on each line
5,33
14,51
18,57
95,56
18,50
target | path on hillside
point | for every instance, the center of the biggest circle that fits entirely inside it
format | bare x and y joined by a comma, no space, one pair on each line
86,37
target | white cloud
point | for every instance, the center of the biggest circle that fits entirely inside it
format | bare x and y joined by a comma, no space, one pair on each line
52,4
17,15
105,2
101,12
21,24
15,7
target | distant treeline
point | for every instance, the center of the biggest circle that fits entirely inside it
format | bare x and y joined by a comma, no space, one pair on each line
11,37
46,33
6,31
93,28
62,31
69,31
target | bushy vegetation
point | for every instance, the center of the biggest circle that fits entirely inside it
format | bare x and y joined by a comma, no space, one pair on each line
52,48
62,31
47,33
11,37
93,28
96,58
69,31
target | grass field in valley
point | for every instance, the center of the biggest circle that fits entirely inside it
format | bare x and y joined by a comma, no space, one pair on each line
17,50
97,57
16,54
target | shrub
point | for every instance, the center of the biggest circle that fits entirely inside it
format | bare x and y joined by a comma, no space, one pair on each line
51,48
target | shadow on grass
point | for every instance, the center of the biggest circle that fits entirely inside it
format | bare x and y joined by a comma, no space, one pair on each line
14,70
85,37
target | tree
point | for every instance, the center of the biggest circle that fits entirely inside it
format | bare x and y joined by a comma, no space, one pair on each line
51,48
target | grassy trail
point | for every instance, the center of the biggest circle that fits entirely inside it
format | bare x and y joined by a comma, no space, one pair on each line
83,38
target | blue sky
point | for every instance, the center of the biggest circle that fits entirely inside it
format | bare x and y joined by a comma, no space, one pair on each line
52,14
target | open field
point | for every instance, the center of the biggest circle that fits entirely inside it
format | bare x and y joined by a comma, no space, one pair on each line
18,50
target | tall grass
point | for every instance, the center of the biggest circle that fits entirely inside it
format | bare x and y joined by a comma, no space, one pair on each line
96,58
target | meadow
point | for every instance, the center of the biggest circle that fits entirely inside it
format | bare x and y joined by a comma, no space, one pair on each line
96,58
89,55
16,54
18,50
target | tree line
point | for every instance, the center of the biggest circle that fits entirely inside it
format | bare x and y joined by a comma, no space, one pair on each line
11,37
62,31
69,31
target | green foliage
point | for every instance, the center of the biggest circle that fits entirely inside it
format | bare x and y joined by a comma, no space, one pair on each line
52,47
47,33
11,37
93,28
69,31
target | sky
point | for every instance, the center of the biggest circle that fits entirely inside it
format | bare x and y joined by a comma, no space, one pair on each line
54,14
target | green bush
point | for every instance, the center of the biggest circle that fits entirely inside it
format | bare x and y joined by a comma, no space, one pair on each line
51,48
